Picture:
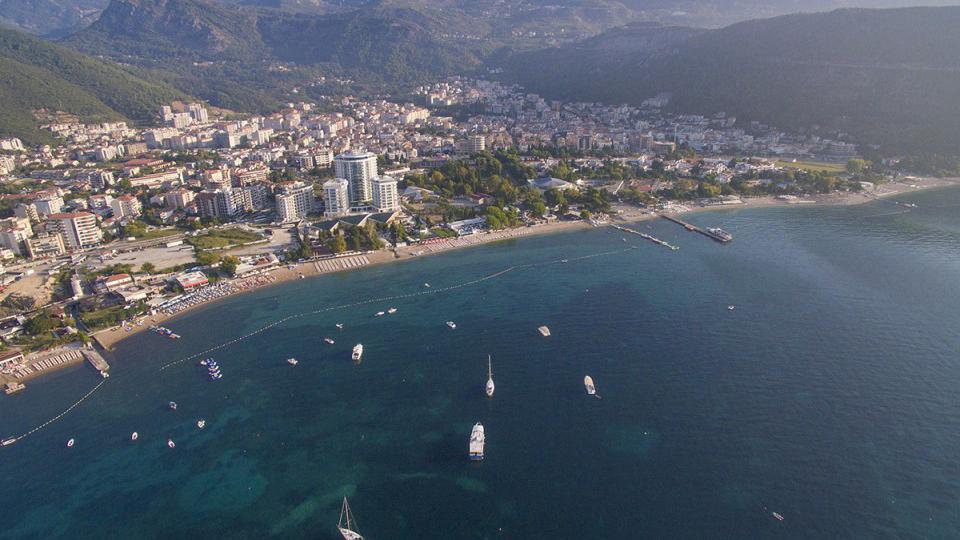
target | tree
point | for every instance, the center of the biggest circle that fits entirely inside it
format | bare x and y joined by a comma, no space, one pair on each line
148,268
338,244
40,324
856,166
207,258
229,264
537,208
585,214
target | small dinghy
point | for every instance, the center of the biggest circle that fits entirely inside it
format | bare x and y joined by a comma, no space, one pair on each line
171,444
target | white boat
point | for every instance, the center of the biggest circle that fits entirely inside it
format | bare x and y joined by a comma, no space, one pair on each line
292,361
427,285
329,341
347,524
70,443
452,325
340,326
173,405
490,386
201,423
8,442
477,441
170,443
778,516
379,314
134,436
357,352
588,383
731,308
104,374
544,331
392,310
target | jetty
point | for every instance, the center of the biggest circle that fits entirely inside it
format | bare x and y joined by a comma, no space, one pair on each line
715,234
96,360
645,236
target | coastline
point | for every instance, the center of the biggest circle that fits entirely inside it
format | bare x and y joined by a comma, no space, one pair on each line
108,338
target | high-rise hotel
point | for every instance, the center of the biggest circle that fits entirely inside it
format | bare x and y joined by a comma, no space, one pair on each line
358,169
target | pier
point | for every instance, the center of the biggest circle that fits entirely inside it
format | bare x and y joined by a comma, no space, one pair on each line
96,360
722,238
645,236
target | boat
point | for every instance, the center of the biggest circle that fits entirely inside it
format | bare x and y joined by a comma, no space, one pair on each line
392,310
134,436
8,442
201,423
588,383
173,405
731,308
347,524
170,443
357,352
544,331
563,261
490,386
379,314
292,361
427,285
104,374
340,326
70,443
720,234
452,325
203,362
329,341
477,441
778,516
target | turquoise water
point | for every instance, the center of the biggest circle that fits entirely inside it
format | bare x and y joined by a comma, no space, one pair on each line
829,395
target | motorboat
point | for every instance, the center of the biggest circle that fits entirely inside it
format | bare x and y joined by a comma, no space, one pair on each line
477,442
171,444
731,308
173,405
427,285
134,436
70,443
379,314
452,325
392,310
8,442
544,331
357,352
328,341
490,386
201,423
588,383
292,361
778,516
339,326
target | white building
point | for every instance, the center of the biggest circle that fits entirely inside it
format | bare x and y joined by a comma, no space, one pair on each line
79,229
358,168
335,193
126,206
476,144
385,197
48,205
294,201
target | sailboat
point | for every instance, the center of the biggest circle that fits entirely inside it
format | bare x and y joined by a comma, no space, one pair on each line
346,529
490,386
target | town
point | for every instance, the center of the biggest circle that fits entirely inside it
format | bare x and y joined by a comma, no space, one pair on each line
116,227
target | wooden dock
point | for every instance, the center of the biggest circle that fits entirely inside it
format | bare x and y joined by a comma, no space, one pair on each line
96,360
722,238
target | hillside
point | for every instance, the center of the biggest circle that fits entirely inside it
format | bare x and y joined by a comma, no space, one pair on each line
38,74
890,77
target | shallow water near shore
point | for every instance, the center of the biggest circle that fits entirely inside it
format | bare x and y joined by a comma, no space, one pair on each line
829,395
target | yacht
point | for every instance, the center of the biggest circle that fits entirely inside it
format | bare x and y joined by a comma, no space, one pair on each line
339,326
392,310
134,436
292,361
778,516
70,443
490,386
477,441
544,331
8,442
588,383
731,308
427,285
328,341
201,423
720,234
452,325
346,525
379,314
173,405
170,443
357,352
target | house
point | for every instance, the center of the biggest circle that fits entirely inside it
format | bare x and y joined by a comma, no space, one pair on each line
112,283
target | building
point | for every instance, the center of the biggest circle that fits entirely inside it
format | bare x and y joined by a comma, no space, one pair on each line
126,206
336,196
14,239
294,201
178,198
189,280
358,169
255,197
48,205
476,144
217,178
215,203
42,247
26,211
385,197
79,229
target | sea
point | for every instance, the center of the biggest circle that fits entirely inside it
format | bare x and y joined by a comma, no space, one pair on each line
829,395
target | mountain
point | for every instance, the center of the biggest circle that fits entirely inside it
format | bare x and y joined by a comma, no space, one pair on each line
38,74
49,17
890,77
